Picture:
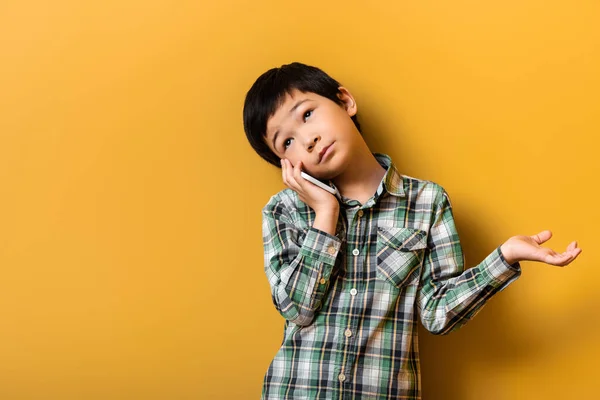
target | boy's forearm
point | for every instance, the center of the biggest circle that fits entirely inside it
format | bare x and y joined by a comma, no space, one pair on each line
327,221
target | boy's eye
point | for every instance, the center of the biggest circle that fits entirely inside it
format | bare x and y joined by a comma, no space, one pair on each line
285,146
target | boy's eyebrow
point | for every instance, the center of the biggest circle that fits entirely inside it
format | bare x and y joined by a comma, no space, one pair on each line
291,111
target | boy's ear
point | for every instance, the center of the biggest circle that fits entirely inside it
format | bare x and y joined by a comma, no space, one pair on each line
349,102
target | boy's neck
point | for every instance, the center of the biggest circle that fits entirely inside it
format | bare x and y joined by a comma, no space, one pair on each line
362,177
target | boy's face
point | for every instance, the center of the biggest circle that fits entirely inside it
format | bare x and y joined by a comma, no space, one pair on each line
314,123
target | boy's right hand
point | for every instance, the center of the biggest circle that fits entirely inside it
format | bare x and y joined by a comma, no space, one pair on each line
316,198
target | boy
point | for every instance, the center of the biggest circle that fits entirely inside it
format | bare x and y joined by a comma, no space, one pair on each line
352,272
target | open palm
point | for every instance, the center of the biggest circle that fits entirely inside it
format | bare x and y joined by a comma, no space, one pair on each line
527,248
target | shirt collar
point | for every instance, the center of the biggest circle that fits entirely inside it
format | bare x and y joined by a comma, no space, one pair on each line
391,182
392,179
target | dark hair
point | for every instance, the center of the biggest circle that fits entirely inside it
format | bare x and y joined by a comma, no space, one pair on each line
267,94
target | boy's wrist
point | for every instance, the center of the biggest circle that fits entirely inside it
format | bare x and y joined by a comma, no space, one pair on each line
505,249
326,220
330,209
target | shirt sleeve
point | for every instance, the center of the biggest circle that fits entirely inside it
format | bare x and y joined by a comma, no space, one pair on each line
449,295
298,263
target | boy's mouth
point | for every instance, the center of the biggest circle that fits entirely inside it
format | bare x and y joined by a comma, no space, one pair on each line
323,151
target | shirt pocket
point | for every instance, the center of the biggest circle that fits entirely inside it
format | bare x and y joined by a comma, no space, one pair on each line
400,253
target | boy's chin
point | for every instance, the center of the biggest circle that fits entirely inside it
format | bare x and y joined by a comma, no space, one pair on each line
328,175
333,170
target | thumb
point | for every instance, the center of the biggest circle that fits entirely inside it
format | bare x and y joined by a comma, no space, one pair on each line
542,236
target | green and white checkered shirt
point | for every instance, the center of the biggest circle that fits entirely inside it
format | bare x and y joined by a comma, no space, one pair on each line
351,301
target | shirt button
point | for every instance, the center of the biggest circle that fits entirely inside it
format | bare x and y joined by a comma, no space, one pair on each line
342,377
360,213
353,292
331,250
355,252
322,281
348,333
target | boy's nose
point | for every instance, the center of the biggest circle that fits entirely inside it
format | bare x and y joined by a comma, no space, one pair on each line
312,143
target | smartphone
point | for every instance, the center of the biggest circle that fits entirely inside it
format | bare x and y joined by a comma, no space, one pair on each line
318,182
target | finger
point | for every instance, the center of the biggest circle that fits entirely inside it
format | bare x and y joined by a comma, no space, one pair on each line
299,179
556,260
290,177
562,259
286,174
542,236
302,183
284,171
573,250
567,257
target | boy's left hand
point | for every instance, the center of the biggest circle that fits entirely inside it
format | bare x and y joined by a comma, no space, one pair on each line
527,248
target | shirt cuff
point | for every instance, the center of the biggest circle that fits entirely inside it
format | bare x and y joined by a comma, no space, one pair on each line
499,272
321,246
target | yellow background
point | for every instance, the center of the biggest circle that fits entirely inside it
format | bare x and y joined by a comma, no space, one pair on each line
130,201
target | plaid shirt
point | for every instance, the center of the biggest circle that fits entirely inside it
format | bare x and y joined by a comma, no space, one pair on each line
351,301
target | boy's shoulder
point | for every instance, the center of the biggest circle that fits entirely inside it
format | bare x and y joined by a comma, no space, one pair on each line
286,199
